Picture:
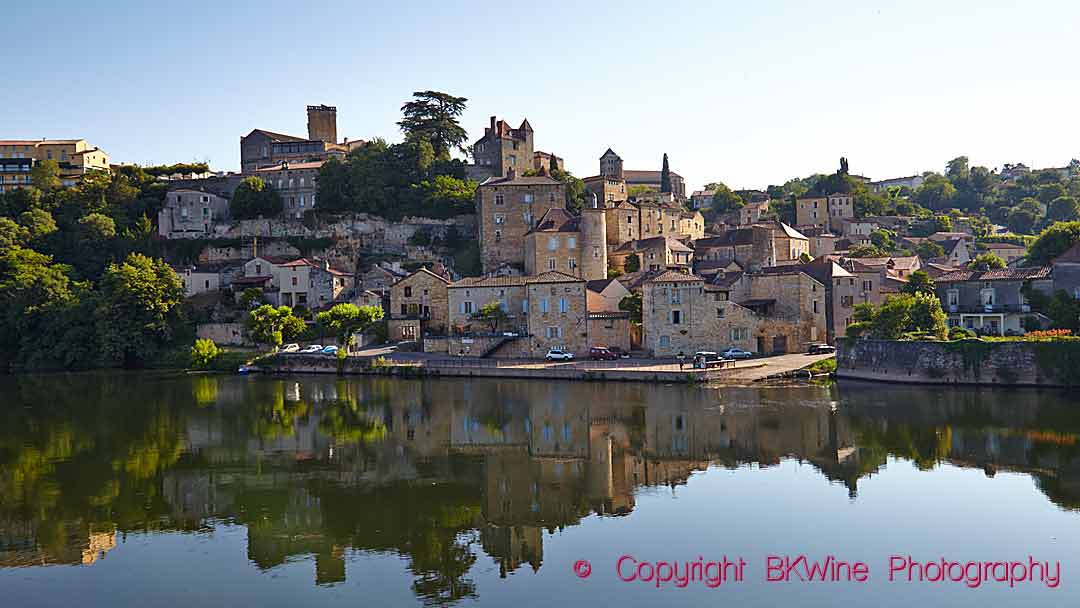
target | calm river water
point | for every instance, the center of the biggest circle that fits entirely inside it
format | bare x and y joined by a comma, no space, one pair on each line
170,490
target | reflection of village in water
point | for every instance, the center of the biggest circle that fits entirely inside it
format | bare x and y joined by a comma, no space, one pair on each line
442,472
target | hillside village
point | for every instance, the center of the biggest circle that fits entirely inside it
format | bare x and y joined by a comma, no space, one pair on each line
508,255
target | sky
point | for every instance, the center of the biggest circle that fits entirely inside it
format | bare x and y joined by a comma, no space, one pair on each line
748,93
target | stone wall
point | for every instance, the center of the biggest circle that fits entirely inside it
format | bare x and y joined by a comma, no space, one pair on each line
961,362
231,334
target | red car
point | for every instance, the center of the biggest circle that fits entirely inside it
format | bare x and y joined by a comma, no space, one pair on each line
602,353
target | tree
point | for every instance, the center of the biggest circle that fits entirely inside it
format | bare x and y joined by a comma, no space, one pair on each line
265,324
345,319
632,305
254,198
292,328
45,175
986,261
251,298
97,227
203,353
883,239
553,165
138,308
957,169
935,193
37,222
1063,209
867,251
900,315
433,116
632,263
919,282
1047,193
929,250
11,234
665,176
493,314
723,199
1023,218
1054,241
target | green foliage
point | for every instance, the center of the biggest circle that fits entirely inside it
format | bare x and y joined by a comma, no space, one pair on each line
640,191
342,320
929,250
724,200
1063,209
632,263
266,324
254,198
883,239
986,261
493,314
432,116
1025,216
251,297
961,333
203,353
45,175
824,366
96,227
935,193
665,176
1054,241
632,305
900,315
867,251
138,309
38,223
919,282
159,170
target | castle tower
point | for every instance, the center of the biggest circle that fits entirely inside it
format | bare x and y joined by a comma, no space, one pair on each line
322,123
593,241
611,165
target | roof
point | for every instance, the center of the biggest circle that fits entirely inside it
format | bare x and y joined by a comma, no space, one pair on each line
250,280
277,260
789,231
728,238
275,136
424,270
599,285
674,276
948,236
1006,274
553,276
1003,246
503,281
727,279
1072,256
904,262
656,241
950,245
292,166
824,269
315,264
631,175
518,180
35,142
557,220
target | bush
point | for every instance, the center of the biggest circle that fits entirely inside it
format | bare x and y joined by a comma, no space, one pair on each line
960,333
203,353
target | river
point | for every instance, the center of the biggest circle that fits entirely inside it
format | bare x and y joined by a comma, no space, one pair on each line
152,489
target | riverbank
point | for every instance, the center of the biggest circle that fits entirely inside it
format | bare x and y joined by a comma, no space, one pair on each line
961,362
626,370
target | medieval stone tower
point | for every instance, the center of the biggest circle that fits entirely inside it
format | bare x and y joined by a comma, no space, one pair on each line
593,241
322,123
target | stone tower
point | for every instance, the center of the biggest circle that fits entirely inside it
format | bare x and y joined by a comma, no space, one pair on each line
611,165
593,241
322,123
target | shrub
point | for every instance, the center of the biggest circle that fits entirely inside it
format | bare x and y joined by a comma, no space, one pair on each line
203,353
960,333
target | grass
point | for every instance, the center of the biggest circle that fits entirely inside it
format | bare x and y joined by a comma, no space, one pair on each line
824,366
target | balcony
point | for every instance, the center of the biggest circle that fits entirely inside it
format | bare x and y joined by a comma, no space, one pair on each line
982,309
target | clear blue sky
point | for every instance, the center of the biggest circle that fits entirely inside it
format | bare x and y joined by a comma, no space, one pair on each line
750,93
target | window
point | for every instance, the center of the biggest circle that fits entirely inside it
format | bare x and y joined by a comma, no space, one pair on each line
258,269
665,341
739,334
500,218
467,308
571,242
719,313
404,309
564,306
815,307
571,264
408,292
953,297
846,301
676,296
552,264
294,281
498,199
498,236
553,243
525,306
676,317
544,305
554,332
867,285
527,218
528,199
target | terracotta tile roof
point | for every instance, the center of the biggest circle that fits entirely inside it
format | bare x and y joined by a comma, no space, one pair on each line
467,282
250,280
656,241
553,276
674,276
557,220
631,175
315,264
1005,274
276,136
535,180
423,270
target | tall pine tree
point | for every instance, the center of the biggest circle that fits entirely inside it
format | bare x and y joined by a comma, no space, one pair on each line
665,176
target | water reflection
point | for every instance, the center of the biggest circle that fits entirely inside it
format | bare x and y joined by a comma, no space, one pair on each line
446,473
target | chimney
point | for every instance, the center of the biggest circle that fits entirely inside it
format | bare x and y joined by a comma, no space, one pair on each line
493,125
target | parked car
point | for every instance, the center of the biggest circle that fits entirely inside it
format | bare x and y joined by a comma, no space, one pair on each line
620,353
290,348
706,358
558,354
602,353
311,348
329,350
737,353
821,349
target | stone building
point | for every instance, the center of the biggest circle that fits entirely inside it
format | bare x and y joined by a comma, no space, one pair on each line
199,280
574,244
262,148
680,316
191,214
503,150
303,283
841,295
656,253
610,329
992,302
75,157
419,306
604,295
508,208
614,179
542,161
826,211
557,314
295,182
757,246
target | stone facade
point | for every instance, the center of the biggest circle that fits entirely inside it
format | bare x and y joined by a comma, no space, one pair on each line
610,329
824,211
503,149
295,183
75,157
557,314
605,295
657,253
573,244
191,214
756,246
467,296
508,208
680,316
420,297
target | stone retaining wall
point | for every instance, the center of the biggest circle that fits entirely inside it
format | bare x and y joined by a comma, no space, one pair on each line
1012,363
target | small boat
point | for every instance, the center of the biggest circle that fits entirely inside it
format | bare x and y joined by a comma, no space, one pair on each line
243,370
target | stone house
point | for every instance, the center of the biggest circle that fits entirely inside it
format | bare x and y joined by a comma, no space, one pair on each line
604,295
379,278
610,329
825,211
542,161
1066,272
606,189
312,284
199,280
656,253
295,183
466,297
419,306
680,316
557,314
1010,252
503,150
760,245
573,244
992,302
508,208
957,253
623,223
841,295
191,214
792,304
851,227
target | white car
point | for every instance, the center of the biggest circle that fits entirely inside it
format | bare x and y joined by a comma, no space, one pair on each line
558,354
290,348
313,348
736,353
